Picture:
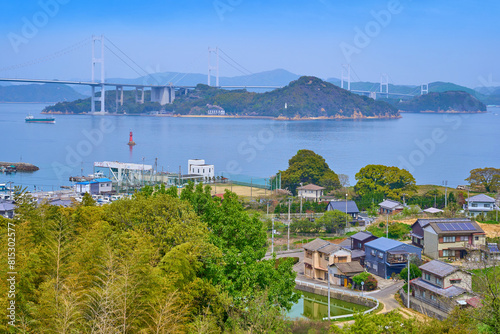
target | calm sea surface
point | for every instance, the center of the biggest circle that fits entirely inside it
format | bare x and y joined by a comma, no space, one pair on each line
433,147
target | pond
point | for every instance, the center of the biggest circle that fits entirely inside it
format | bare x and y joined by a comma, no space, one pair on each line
312,306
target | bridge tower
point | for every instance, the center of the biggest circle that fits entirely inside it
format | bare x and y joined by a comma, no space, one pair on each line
346,75
384,84
99,41
216,67
424,89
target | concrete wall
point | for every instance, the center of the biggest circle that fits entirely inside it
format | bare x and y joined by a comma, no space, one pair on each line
422,307
337,295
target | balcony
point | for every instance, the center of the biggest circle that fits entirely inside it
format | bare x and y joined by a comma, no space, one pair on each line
397,257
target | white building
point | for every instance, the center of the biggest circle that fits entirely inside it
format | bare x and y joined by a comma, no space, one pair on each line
480,204
199,167
310,192
94,187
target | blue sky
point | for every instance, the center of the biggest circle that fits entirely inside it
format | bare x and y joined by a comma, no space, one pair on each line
417,42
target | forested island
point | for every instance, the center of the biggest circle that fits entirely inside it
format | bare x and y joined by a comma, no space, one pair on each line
443,102
307,97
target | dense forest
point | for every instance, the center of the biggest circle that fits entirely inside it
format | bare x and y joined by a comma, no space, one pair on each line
156,263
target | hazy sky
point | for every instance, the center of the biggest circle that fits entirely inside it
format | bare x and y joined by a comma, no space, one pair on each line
412,41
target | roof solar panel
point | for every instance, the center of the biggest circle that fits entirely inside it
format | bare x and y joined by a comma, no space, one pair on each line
470,226
454,227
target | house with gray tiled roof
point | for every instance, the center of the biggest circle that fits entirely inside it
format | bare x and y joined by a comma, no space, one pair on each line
441,288
389,207
319,254
480,204
348,207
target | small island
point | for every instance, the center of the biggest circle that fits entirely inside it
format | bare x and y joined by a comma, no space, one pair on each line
443,102
305,98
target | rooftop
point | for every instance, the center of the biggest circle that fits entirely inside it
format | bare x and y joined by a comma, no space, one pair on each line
329,249
361,236
424,222
310,187
350,268
384,244
390,204
481,198
341,206
456,227
315,244
439,268
449,292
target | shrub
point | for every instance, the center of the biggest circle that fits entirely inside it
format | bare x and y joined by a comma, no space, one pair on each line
370,283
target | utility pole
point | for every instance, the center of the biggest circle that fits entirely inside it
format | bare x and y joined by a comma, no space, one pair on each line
288,243
346,213
328,291
445,183
272,239
301,203
387,227
408,286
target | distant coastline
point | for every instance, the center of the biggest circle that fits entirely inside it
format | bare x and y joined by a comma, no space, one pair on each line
444,112
279,118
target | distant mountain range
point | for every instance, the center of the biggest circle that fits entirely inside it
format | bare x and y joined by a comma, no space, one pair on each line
38,93
278,77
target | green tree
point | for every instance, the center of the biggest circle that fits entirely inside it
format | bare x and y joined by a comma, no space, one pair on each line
333,221
391,181
488,177
308,167
414,272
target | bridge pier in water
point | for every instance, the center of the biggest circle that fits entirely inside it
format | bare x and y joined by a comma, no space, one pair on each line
163,95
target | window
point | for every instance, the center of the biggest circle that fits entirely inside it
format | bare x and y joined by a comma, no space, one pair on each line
427,277
464,238
439,281
327,258
433,297
320,255
309,254
372,252
447,252
449,239
455,281
423,294
474,205
476,238
342,259
326,276
381,255
486,205
375,267
368,264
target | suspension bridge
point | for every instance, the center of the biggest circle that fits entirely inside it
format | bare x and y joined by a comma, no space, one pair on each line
166,93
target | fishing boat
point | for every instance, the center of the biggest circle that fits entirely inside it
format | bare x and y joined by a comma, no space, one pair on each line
31,119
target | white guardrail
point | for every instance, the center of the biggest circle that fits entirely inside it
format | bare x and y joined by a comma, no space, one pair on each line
342,292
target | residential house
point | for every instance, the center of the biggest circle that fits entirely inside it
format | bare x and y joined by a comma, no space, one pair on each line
348,207
357,245
310,192
417,229
492,251
480,204
319,254
453,239
441,288
389,207
383,256
343,272
7,208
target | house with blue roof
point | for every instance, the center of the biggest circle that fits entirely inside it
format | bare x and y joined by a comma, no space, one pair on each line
348,207
98,186
383,256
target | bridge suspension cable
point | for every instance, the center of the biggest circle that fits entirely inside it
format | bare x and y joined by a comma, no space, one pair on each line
146,73
49,57
234,61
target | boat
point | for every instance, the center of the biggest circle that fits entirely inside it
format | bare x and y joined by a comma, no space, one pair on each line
31,119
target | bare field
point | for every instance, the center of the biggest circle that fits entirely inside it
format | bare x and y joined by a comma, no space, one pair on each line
220,188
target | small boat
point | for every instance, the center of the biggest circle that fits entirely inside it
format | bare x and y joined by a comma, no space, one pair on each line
31,119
